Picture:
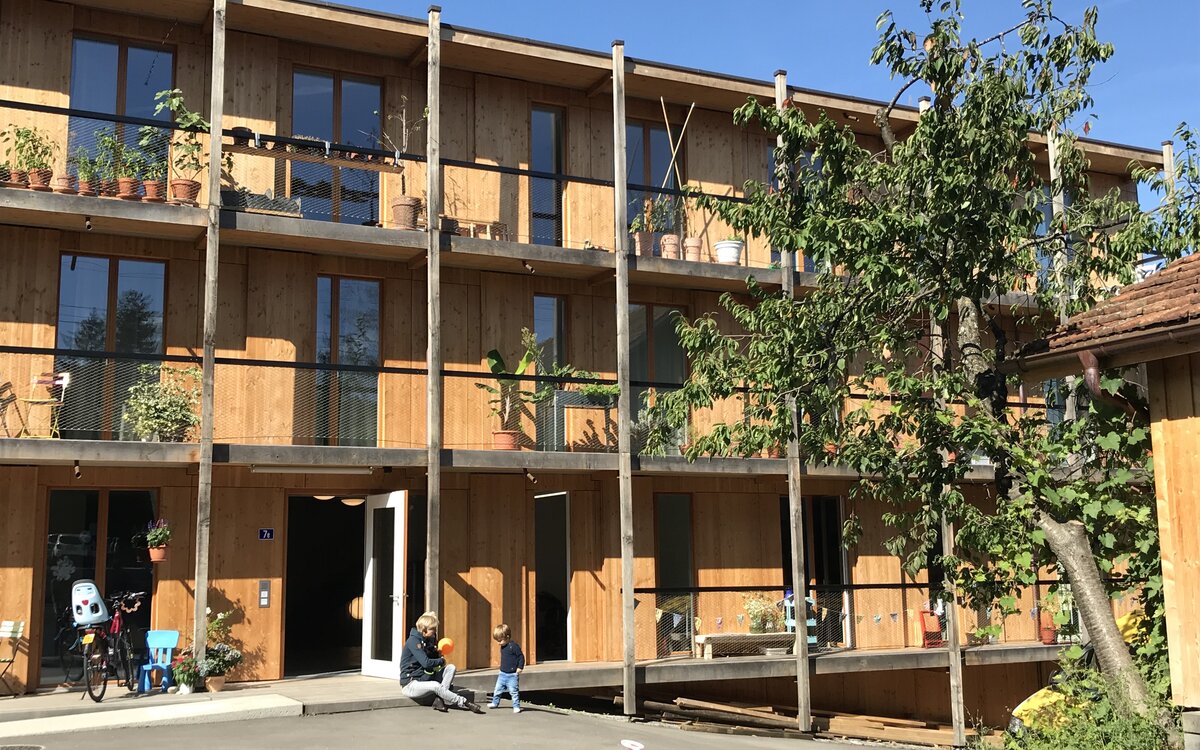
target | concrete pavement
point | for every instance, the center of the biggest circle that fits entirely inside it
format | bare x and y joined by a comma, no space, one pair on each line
534,729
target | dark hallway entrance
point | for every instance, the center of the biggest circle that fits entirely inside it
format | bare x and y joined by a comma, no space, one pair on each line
324,585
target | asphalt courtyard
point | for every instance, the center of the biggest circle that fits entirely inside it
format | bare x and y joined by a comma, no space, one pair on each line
533,729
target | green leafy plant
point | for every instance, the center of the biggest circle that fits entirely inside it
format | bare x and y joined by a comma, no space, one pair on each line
155,145
185,670
158,533
189,158
507,394
162,404
87,167
764,613
219,626
219,659
116,158
29,148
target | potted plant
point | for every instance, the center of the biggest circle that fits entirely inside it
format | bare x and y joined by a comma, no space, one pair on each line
88,171
764,613
9,176
692,247
729,250
33,153
316,149
157,536
189,156
162,405
120,166
65,184
242,135
404,207
219,659
1048,615
155,144
643,238
507,395
665,217
186,672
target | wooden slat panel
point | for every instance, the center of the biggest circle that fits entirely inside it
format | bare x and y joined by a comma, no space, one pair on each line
22,552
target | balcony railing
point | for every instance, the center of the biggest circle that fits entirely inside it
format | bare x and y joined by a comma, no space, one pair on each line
304,403
84,395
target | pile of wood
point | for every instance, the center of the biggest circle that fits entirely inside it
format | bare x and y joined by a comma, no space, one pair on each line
771,721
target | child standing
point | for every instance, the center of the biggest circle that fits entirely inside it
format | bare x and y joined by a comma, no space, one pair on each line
512,661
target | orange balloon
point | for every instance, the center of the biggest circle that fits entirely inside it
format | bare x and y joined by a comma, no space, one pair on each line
446,646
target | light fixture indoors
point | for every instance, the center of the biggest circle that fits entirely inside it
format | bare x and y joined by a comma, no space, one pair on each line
353,501
255,469
323,497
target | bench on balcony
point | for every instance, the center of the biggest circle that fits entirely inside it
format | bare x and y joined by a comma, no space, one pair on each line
255,203
712,645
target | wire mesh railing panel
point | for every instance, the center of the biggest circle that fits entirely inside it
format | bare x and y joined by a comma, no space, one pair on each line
485,412
280,403
73,395
77,152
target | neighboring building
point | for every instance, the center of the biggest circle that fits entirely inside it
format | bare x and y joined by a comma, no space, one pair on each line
321,373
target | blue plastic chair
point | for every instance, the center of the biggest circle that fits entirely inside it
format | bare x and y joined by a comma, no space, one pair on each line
160,646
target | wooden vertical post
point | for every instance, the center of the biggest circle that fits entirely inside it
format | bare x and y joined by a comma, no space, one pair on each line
958,714
212,264
624,400
795,474
1168,154
433,353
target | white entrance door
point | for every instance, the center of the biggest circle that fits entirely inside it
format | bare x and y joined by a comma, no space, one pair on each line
383,584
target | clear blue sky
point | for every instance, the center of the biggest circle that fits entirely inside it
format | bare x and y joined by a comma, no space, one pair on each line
1148,87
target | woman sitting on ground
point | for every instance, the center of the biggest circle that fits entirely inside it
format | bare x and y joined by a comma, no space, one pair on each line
423,671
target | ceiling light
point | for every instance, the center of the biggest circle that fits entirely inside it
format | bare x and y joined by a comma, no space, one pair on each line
254,469
323,497
353,501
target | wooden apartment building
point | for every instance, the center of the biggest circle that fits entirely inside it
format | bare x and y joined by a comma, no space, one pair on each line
355,478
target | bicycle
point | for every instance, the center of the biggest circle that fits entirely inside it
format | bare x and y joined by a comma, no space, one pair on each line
68,643
107,651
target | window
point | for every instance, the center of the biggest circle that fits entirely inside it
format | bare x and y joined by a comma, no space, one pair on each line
339,109
549,326
655,355
347,334
117,78
105,305
546,155
648,163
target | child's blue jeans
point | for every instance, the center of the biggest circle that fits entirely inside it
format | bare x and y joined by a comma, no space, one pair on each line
507,683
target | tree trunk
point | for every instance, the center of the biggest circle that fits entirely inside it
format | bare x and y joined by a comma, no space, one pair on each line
970,341
1069,542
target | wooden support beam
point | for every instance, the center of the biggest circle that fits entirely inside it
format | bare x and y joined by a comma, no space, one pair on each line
596,88
433,353
418,56
603,277
624,415
795,475
418,262
208,363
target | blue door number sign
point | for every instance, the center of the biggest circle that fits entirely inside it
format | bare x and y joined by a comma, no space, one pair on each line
266,535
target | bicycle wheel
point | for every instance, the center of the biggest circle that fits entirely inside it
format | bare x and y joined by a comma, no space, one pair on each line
95,669
70,653
123,661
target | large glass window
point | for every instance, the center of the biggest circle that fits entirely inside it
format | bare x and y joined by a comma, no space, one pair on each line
339,109
546,155
117,78
648,163
347,334
105,305
549,326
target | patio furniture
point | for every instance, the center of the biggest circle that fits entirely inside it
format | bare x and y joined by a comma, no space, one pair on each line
53,387
12,631
160,647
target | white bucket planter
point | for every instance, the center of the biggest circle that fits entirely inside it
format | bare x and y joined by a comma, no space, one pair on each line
185,689
730,251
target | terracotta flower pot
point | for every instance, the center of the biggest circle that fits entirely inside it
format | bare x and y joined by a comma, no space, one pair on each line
39,180
185,191
11,178
1049,635
127,189
214,684
108,188
775,451
692,247
242,136
404,211
643,243
668,246
65,185
155,191
157,554
506,440
87,188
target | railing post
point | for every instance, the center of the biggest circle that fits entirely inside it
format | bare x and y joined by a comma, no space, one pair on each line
624,418
433,354
208,366
795,474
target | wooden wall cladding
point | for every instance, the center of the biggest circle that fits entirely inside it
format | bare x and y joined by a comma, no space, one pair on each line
1175,424
22,557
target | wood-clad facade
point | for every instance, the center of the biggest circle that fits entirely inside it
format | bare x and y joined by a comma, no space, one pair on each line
321,375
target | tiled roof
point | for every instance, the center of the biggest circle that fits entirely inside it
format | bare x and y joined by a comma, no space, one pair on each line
1168,298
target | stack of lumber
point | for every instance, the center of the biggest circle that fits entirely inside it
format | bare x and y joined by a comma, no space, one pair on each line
771,721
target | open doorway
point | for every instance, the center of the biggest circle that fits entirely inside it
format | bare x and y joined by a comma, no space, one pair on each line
324,585
552,561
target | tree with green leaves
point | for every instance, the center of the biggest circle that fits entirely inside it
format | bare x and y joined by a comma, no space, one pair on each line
896,355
